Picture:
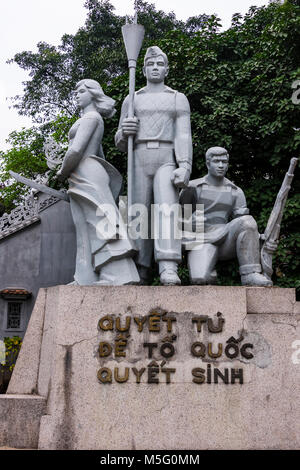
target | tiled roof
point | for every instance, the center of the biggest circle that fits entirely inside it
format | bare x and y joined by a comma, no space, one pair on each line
15,291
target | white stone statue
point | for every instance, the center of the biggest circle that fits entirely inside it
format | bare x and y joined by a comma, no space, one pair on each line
229,230
103,256
162,159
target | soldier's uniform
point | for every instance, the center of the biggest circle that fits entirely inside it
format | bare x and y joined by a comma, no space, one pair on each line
163,142
223,238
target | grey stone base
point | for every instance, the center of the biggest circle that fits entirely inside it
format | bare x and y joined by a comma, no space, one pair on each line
20,420
60,360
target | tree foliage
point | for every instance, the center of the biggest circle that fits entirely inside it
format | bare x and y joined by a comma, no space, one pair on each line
12,346
27,157
95,51
238,83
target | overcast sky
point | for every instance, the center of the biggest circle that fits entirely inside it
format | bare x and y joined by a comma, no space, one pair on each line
23,23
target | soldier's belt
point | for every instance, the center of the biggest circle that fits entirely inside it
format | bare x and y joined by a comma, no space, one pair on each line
154,144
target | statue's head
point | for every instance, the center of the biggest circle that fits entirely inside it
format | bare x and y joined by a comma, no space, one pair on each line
156,66
217,161
89,91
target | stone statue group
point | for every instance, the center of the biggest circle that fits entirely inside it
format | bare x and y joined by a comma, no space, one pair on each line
160,175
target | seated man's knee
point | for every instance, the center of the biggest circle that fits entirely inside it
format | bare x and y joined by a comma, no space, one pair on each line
248,223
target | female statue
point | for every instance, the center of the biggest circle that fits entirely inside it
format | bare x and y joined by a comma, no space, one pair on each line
103,256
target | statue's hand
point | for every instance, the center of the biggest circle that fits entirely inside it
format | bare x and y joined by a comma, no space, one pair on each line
271,247
60,176
181,177
130,126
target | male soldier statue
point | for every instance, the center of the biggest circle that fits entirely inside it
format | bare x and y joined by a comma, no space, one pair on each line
162,159
228,229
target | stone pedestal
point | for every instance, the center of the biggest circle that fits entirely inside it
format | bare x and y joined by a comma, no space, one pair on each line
20,420
162,368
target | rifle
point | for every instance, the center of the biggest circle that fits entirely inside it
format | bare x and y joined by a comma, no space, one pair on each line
40,187
271,233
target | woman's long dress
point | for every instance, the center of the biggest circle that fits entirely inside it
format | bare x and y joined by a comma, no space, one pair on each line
96,218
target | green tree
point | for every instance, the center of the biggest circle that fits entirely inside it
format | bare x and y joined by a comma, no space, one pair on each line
95,51
26,157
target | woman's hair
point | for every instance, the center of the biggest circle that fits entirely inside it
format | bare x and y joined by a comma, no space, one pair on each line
104,104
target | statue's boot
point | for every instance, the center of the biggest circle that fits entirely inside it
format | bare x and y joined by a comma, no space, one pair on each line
168,273
248,254
255,279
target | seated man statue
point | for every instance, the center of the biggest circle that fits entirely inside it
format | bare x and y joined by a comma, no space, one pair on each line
229,231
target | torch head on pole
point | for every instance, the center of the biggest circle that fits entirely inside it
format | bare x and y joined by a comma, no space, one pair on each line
133,35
